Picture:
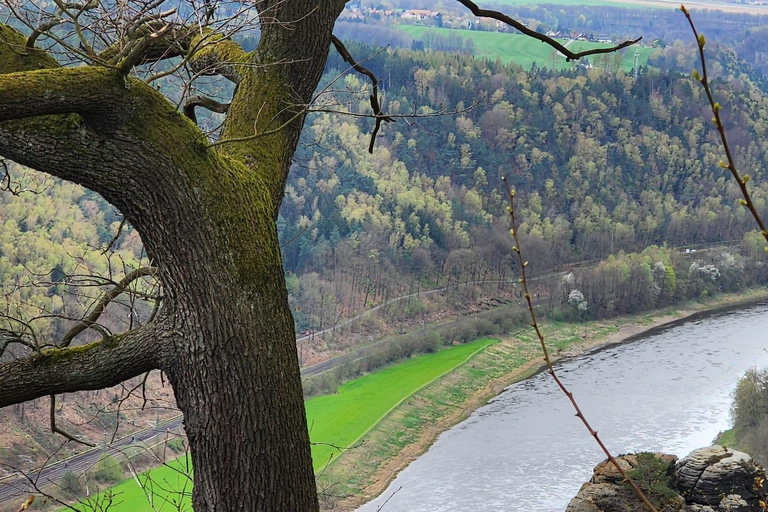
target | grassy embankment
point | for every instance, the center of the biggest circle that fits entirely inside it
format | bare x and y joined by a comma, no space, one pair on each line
522,50
340,419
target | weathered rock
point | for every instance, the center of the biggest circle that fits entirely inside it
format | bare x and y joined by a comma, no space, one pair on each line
708,475
733,503
712,479
606,492
699,508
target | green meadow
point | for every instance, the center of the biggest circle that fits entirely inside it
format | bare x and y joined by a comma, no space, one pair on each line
569,3
524,51
342,419
337,420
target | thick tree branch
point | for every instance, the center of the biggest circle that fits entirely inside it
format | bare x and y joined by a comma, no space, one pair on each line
90,125
277,87
205,102
375,105
214,54
97,365
153,41
569,55
59,91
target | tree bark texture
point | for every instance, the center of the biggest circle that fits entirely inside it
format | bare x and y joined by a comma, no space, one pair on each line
206,215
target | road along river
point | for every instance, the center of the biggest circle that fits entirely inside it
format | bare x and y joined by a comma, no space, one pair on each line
666,390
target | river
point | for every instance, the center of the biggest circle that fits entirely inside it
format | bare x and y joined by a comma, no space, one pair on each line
667,390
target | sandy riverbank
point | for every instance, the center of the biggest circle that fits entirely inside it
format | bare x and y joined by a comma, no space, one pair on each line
594,336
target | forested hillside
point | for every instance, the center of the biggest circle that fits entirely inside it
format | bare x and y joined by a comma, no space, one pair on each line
604,162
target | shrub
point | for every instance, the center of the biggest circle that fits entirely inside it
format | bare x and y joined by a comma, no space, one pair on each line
654,477
108,471
177,445
70,484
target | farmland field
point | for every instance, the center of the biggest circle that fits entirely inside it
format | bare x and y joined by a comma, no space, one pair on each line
524,51
658,4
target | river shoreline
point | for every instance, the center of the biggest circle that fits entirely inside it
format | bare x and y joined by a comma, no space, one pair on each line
595,336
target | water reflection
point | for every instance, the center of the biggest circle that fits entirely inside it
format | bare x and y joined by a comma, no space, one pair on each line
526,451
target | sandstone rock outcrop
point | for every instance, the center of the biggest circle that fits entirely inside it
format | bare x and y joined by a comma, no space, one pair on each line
711,479
720,478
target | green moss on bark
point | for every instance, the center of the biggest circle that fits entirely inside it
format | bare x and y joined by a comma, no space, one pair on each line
14,56
57,355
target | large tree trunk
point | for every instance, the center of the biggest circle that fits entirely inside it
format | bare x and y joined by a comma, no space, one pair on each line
225,335
234,367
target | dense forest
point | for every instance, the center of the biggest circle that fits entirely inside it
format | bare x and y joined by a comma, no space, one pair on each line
605,163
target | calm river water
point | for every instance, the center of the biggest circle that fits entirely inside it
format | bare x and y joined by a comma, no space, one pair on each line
669,390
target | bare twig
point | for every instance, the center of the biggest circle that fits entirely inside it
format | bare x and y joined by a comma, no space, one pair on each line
375,105
381,507
703,79
569,55
57,430
90,320
550,369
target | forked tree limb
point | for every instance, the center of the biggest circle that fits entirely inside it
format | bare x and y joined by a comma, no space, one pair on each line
374,97
569,55
8,338
105,299
204,102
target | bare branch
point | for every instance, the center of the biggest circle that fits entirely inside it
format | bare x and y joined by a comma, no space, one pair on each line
569,55
114,239
205,102
703,79
375,106
108,297
550,369
41,29
57,430
9,337
140,48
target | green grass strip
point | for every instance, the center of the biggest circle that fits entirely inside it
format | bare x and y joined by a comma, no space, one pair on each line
344,418
341,419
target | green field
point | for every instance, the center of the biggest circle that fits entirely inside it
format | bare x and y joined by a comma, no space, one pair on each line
343,418
340,419
524,51
570,3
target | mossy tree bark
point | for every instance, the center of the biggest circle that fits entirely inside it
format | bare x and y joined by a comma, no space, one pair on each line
206,215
